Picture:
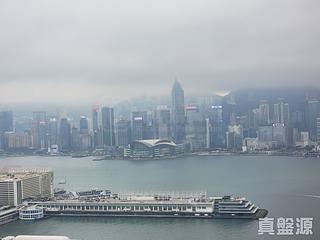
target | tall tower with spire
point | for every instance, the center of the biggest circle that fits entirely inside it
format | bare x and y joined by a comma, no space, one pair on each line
178,113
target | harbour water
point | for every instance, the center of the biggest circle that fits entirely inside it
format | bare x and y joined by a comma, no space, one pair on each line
286,186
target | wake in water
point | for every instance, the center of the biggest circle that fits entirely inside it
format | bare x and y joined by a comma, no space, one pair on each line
313,196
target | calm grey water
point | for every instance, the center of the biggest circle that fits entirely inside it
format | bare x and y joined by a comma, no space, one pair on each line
279,184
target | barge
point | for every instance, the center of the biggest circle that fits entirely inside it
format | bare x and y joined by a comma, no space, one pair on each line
152,205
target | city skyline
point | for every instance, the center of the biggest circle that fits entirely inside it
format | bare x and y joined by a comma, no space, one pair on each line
240,121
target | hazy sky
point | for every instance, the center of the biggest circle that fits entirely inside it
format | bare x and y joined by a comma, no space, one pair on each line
103,51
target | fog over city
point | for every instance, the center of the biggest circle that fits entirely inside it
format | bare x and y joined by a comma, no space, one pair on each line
106,51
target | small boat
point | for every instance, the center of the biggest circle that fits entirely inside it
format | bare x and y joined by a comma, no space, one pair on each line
63,181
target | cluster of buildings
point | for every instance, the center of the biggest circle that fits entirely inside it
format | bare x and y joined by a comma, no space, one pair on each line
168,130
17,185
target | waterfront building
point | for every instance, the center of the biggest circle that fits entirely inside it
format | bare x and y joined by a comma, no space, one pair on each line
208,131
17,185
65,135
6,125
151,148
216,127
75,139
264,113
253,122
162,123
228,111
281,113
139,125
234,137
8,214
10,191
195,129
250,144
195,205
298,119
303,140
108,130
265,136
318,130
17,141
84,125
279,135
178,113
53,131
84,139
84,142
149,130
32,212
39,130
123,132
312,112
96,130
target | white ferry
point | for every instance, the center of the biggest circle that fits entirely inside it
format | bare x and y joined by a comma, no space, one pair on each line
154,205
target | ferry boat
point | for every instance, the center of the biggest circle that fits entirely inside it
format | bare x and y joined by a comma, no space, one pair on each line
154,205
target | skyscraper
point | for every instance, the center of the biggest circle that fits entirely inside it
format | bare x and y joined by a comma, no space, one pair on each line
6,125
84,126
84,137
264,118
108,126
217,135
162,123
65,135
178,113
195,128
52,131
96,129
312,112
281,113
139,125
318,130
123,133
39,131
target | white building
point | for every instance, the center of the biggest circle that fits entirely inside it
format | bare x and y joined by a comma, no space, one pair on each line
16,185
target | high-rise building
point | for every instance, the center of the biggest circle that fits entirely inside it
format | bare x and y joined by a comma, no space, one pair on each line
75,139
96,131
279,135
217,135
84,137
149,129
17,141
6,121
312,112
39,130
281,113
6,125
19,185
123,133
234,137
139,125
318,130
53,131
195,129
162,123
298,119
265,134
65,135
108,126
84,125
264,118
178,113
